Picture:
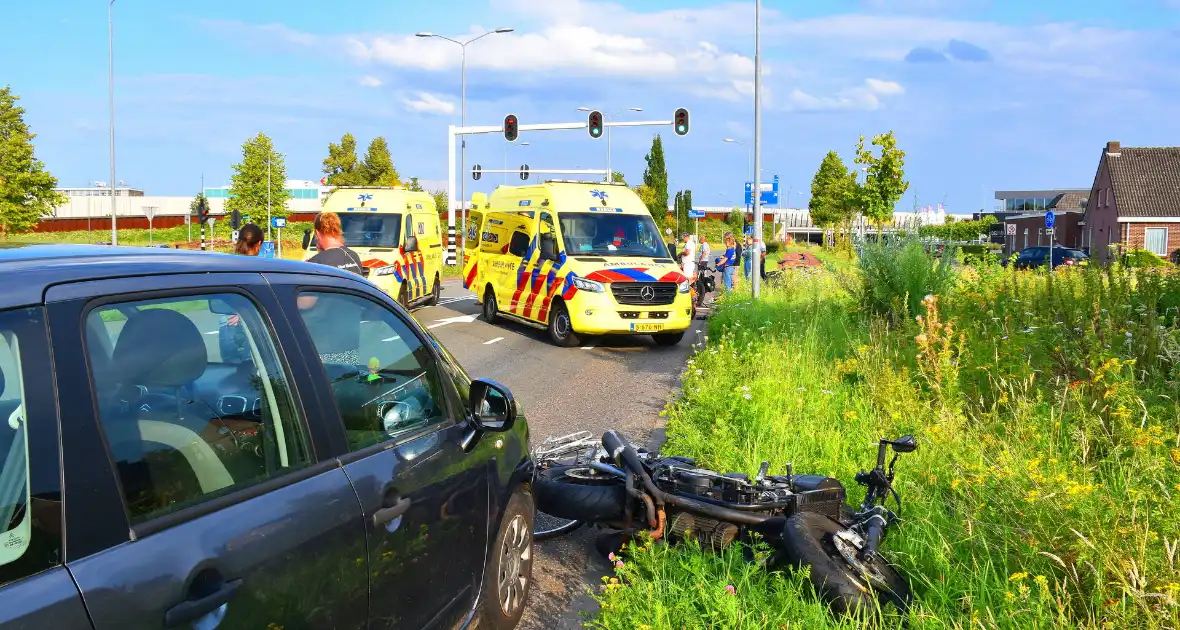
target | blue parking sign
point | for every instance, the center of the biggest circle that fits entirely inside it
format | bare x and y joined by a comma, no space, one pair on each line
268,249
1049,219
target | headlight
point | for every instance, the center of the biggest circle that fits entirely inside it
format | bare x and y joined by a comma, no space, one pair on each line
683,286
588,285
387,270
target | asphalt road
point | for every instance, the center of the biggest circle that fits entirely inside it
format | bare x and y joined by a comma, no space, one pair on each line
610,382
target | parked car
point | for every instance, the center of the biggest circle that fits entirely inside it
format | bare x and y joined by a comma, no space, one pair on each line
334,468
1032,257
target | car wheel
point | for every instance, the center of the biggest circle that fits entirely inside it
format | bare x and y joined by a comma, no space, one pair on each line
668,339
435,292
509,573
561,327
490,312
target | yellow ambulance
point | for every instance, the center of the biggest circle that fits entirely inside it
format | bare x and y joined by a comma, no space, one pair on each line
397,235
577,258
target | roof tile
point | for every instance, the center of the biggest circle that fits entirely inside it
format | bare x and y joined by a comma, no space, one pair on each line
1146,181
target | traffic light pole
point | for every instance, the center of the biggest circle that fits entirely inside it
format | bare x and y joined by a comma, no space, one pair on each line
454,132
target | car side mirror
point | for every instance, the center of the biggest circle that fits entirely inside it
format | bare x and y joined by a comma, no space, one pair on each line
306,239
548,247
411,244
905,444
491,406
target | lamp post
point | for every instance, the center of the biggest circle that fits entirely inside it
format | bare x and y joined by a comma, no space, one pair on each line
111,107
508,146
748,152
463,122
756,278
268,196
610,174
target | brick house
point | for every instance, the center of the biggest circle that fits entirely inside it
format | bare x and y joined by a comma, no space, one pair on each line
1134,202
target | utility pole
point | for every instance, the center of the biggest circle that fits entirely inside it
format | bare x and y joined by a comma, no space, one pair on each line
111,106
755,277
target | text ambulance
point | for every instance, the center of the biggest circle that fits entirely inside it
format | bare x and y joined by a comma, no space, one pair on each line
396,233
577,258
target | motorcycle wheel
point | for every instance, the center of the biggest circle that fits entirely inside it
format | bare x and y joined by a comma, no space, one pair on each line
576,493
808,539
547,526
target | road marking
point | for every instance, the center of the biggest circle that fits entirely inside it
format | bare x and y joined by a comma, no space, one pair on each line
462,319
444,302
491,341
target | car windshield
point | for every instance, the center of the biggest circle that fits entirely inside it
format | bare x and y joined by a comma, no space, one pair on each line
371,230
611,234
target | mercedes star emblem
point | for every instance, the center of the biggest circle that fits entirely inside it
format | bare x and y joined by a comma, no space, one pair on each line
648,294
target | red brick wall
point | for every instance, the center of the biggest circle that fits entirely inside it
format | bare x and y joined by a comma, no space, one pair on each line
135,223
1135,231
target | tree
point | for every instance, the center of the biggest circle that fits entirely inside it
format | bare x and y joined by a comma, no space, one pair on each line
647,195
617,178
341,166
959,231
440,203
884,182
414,185
26,189
378,168
678,207
655,177
736,220
248,191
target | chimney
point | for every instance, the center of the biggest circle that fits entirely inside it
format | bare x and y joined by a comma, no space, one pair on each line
1113,147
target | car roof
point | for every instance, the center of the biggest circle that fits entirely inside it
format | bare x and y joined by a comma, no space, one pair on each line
31,269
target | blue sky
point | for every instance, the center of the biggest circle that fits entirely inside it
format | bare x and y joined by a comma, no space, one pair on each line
982,94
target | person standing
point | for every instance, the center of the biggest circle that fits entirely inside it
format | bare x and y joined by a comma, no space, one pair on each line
749,252
760,253
728,263
231,338
688,257
330,243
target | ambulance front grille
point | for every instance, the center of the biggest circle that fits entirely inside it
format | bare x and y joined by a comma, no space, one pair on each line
644,293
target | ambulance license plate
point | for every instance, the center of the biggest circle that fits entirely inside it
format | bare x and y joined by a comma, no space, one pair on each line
647,328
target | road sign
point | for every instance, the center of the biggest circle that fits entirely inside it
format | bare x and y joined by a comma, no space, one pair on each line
1049,219
268,249
278,223
696,214
769,194
476,172
1010,229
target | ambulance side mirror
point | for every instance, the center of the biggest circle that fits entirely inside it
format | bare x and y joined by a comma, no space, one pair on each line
549,247
411,244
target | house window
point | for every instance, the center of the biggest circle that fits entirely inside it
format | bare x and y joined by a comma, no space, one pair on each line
1155,240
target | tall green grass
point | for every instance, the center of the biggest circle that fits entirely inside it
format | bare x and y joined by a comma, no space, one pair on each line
1046,490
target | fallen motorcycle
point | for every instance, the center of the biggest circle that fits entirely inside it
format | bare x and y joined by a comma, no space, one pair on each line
615,485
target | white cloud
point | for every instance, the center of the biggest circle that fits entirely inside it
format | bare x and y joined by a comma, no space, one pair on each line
371,81
863,97
426,103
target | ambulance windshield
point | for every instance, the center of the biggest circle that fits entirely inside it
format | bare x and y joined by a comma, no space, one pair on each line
611,234
371,230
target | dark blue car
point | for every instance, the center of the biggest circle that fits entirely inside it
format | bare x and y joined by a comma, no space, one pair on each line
194,440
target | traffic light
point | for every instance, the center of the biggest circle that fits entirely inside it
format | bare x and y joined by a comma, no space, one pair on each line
202,210
680,121
235,220
510,130
594,124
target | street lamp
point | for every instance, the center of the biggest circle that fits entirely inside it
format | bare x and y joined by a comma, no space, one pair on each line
610,174
463,122
748,153
506,147
111,106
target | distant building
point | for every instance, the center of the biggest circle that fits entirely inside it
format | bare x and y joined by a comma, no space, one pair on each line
100,189
299,189
1135,201
1026,206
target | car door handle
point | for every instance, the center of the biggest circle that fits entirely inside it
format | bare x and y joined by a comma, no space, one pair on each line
191,610
384,515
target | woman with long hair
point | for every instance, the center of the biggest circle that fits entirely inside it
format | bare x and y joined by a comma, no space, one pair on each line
729,263
232,339
249,241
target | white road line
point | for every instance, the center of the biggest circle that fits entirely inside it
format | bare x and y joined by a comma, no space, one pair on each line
444,302
491,341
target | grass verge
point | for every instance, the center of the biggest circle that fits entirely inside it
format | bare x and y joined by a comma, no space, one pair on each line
1046,488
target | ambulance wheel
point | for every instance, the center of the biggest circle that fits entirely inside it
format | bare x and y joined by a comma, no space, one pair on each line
561,328
668,339
490,314
435,292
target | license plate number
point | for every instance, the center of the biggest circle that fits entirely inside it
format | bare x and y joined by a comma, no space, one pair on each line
647,328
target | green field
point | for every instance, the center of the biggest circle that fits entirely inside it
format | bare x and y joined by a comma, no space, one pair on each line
1046,489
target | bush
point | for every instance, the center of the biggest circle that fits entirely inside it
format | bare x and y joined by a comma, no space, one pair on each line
896,275
1143,258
